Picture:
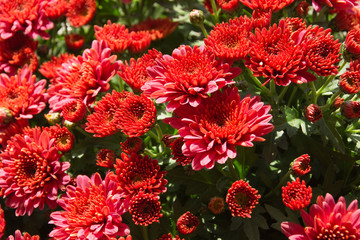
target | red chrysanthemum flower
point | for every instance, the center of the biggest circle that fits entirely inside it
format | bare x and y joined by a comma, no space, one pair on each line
187,77
136,115
134,73
216,205
17,51
301,165
266,5
169,237
354,65
176,151
338,102
352,41
12,129
242,198
326,220
128,237
56,8
275,55
117,36
187,223
2,222
80,12
296,195
74,110
102,121
295,24
32,174
349,82
92,210
24,15
347,19
132,144
158,28
228,5
20,236
105,158
321,51
230,40
48,69
338,4
83,77
213,129
21,94
145,208
63,138
351,109
140,41
136,173
302,9
74,42
313,113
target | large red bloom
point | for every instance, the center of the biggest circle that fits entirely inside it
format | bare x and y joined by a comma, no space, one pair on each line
242,198
296,195
92,210
140,41
276,55
32,174
134,73
24,15
83,77
117,36
145,209
219,124
230,40
159,28
326,220
80,12
17,51
187,77
21,94
136,174
266,5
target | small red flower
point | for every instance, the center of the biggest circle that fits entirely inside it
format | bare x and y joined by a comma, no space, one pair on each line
261,19
136,115
74,42
347,19
159,28
230,40
132,144
187,223
145,208
80,12
313,113
351,109
56,8
338,102
169,237
296,195
242,198
352,41
20,236
74,110
116,36
266,5
228,5
105,158
302,9
300,166
176,151
134,73
64,139
216,205
349,82
295,24
140,41
48,69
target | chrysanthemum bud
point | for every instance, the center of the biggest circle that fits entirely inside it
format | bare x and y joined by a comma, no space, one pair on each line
216,205
313,113
300,166
5,116
350,109
53,118
68,124
338,101
197,17
349,82
302,9
187,223
74,111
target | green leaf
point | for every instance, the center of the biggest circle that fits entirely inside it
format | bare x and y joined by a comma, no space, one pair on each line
331,132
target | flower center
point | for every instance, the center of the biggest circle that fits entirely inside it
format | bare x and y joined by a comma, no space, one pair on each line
336,232
241,199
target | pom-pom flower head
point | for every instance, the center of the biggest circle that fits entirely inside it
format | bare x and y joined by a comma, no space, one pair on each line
221,122
300,166
158,28
351,109
116,36
326,219
296,195
74,110
187,77
145,209
313,113
132,144
74,42
32,174
216,205
242,198
187,223
80,12
105,158
349,82
63,138
92,210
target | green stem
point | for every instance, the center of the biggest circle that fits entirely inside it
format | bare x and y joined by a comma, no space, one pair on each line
144,233
232,169
292,95
284,178
203,29
213,5
121,84
332,99
154,136
328,80
79,129
147,152
263,89
313,92
282,93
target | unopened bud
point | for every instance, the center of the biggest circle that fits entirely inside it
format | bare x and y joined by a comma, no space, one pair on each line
197,17
5,116
53,118
313,113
